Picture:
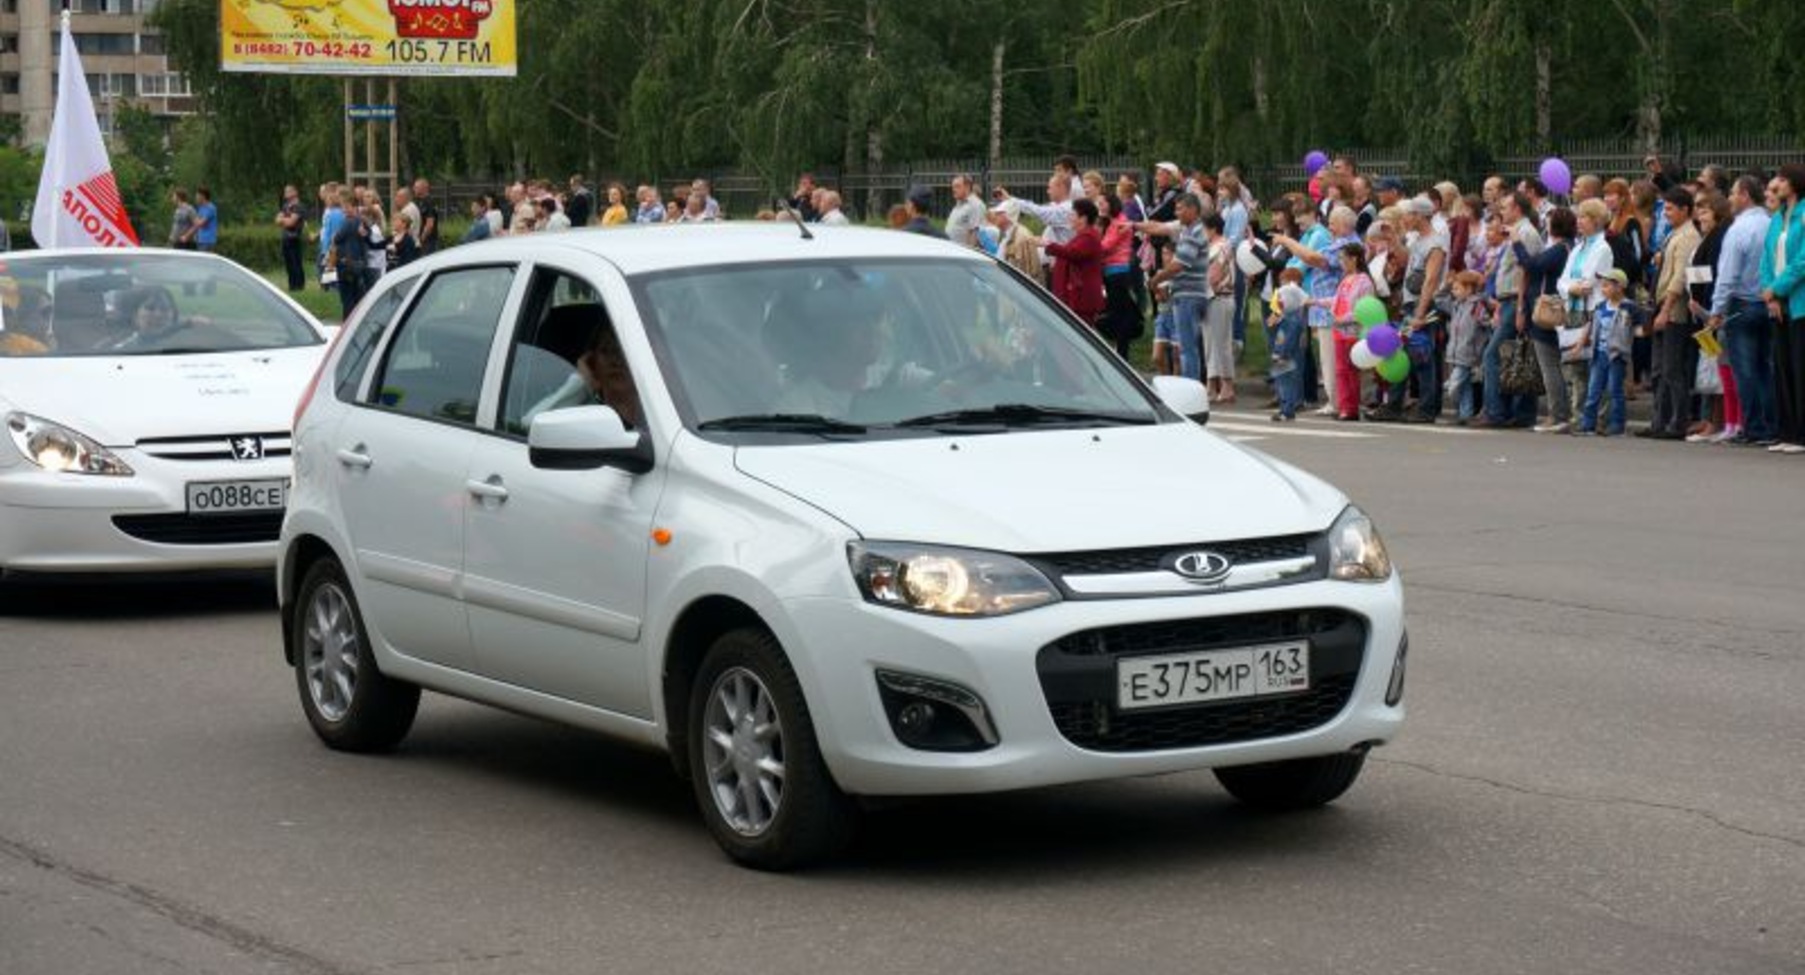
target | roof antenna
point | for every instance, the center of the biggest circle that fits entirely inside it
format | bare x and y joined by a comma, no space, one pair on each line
787,208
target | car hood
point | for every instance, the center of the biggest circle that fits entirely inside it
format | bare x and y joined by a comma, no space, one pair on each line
1053,490
119,400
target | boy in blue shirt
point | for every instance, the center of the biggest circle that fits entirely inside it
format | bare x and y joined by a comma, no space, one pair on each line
1607,341
1288,336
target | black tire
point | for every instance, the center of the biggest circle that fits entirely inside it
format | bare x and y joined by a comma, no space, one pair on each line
380,710
1303,783
813,820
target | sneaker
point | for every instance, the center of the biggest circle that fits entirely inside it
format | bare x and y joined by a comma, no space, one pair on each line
1792,448
1554,428
1769,443
1613,432
1278,417
1326,411
1584,433
1722,436
1669,435
1415,417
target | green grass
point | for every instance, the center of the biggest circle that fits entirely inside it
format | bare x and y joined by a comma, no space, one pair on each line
1253,354
323,305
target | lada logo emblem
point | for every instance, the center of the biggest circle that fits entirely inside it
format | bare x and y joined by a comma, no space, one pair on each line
1204,567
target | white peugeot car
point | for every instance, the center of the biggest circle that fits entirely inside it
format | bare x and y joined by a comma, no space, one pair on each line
146,398
825,515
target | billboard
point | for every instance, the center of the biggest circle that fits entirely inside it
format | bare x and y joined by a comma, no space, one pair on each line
368,37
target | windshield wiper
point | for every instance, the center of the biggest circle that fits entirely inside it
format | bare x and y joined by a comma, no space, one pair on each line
782,423
1020,414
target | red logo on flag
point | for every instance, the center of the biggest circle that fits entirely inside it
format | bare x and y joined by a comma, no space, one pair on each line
439,19
97,207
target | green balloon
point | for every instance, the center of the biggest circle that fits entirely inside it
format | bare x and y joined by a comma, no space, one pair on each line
1395,369
1370,311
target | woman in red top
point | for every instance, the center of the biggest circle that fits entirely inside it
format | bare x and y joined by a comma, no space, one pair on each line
1121,321
1078,277
1355,285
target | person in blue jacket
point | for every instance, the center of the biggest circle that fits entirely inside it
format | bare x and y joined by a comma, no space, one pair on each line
1783,288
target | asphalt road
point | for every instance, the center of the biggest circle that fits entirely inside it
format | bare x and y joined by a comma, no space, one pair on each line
1601,773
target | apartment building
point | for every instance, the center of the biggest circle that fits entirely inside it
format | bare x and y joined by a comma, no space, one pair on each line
123,57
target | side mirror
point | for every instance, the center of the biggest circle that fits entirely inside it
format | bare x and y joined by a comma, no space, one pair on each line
1187,397
583,438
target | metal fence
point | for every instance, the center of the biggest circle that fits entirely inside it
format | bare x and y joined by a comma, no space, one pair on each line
868,194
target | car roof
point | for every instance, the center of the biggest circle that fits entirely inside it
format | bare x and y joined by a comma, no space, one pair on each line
649,249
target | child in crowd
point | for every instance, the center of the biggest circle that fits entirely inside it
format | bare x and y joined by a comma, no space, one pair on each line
1607,342
1469,329
1288,332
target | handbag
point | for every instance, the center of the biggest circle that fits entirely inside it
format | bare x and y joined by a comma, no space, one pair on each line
1521,374
1708,381
1549,312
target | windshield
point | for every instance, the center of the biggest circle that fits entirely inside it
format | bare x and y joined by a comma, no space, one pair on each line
130,303
849,348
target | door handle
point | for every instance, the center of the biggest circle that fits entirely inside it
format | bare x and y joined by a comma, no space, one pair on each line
355,457
489,490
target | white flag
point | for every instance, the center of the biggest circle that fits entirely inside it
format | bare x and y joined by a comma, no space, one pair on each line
78,202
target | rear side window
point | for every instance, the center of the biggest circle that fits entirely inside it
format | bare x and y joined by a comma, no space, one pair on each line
434,367
366,336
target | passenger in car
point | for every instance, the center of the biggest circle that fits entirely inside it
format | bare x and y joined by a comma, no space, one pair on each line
601,377
25,329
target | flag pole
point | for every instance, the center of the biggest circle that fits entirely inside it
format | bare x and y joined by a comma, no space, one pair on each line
56,228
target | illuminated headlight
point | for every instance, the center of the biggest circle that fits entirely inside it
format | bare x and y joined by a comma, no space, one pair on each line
947,581
57,448
1355,552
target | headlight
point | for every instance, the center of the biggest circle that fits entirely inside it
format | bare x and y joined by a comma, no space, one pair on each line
57,448
1355,552
947,581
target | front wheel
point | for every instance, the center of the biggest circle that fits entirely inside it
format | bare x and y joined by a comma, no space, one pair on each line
1302,783
348,701
764,790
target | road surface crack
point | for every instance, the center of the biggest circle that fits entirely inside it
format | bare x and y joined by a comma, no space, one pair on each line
1705,814
183,915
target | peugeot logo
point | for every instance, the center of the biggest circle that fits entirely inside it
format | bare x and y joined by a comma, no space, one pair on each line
1204,567
247,448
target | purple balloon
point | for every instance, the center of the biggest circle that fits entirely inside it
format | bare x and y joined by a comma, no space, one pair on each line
1556,176
1383,341
1315,161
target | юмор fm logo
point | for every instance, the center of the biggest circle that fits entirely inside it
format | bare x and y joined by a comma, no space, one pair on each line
443,19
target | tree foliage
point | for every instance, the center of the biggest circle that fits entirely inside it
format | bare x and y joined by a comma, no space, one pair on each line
664,88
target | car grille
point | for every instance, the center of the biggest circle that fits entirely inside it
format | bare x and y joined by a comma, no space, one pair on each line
1126,560
1078,676
215,446
179,529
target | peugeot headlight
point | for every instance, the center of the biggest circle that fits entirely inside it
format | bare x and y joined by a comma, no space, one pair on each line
947,581
1355,552
57,448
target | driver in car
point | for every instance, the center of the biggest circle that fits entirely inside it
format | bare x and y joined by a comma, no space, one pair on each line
601,377
831,342
152,315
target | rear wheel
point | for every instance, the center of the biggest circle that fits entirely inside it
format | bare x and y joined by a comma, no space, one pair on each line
1303,783
758,775
349,703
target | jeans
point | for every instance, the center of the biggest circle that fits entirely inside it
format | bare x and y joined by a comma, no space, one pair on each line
1290,385
1187,318
1428,386
1554,384
1500,408
1749,343
1607,371
1240,306
1460,390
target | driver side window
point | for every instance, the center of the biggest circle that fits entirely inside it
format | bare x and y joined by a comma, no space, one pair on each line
565,353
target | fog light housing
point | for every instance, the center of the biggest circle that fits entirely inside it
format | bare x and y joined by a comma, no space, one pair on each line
1394,691
934,715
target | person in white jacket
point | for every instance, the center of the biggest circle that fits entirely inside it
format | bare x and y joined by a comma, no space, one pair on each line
1578,285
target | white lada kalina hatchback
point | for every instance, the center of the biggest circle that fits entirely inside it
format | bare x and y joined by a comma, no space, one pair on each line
825,515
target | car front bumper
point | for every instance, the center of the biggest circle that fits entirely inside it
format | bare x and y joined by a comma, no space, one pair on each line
840,645
75,523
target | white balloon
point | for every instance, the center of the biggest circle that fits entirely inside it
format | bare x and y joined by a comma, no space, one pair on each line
1250,257
1362,356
